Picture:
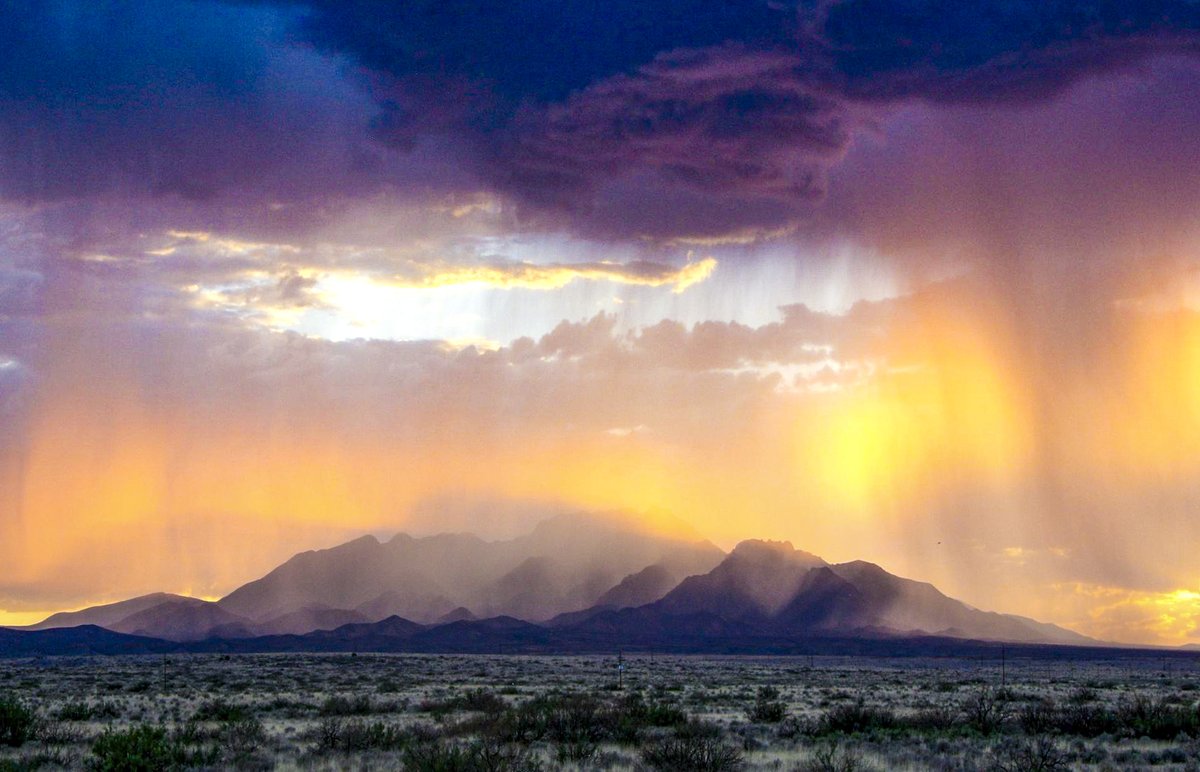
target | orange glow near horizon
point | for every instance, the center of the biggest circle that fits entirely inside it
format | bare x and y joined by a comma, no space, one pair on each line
150,496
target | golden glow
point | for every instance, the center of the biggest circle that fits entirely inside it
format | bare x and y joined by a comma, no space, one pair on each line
944,408
1160,413
547,277
124,492
18,618
1166,618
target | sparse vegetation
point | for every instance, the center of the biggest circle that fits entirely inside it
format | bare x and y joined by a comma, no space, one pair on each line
142,748
472,757
767,708
341,705
16,722
831,757
985,710
1039,754
357,735
694,747
854,718
546,713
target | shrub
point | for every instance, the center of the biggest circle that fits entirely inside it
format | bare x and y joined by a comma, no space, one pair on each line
476,757
628,718
75,711
985,710
17,722
695,747
576,751
481,701
140,749
86,711
52,759
1085,720
1029,755
475,701
694,754
855,717
1156,719
934,719
576,722
337,705
220,710
1083,695
356,735
767,708
57,733
1038,717
831,757
243,737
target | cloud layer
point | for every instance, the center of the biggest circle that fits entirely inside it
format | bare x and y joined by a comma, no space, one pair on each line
653,119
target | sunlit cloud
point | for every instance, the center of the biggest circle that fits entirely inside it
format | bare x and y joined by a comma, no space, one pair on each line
554,276
1132,616
218,246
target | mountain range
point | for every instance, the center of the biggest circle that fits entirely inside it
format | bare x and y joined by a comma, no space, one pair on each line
575,582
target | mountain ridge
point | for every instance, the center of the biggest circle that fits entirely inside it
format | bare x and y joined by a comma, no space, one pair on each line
571,579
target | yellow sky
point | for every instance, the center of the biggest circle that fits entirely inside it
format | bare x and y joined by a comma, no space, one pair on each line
925,439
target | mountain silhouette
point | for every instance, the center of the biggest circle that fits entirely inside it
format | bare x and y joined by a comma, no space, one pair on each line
109,614
575,582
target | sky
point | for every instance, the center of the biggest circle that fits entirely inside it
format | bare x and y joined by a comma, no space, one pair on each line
908,281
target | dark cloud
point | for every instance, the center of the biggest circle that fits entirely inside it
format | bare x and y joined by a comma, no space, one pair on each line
163,98
540,50
989,50
731,111
629,118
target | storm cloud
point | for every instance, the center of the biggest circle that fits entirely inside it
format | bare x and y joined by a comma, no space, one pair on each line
620,120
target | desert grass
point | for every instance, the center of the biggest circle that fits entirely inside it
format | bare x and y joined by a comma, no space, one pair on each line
431,712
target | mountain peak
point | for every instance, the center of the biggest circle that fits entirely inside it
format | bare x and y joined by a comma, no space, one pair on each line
765,549
751,546
575,568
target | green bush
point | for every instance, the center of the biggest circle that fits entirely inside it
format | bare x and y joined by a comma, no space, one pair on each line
88,711
574,722
39,760
767,708
220,710
75,711
243,737
938,719
1139,716
337,705
855,717
475,701
143,748
1156,719
335,734
1085,720
17,722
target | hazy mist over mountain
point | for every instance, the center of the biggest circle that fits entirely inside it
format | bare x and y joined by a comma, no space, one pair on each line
590,578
